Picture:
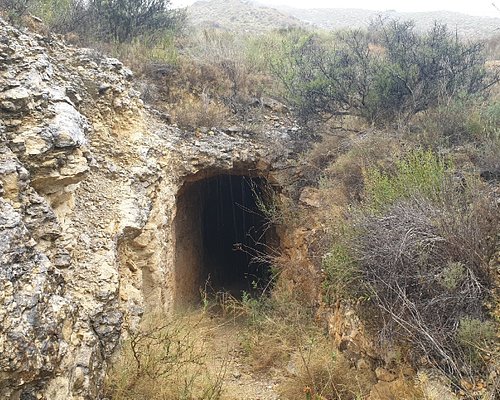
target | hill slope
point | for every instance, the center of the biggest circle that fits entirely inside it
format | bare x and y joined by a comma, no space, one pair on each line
250,16
239,16
338,18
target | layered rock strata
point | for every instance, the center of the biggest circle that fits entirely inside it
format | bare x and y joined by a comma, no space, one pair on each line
88,184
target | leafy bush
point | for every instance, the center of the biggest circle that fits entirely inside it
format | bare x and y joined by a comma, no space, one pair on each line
123,20
420,172
14,9
59,15
387,74
459,121
104,20
475,336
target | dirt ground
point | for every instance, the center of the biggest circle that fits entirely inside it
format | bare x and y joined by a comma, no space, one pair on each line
225,351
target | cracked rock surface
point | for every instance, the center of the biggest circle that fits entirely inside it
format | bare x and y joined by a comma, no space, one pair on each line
88,184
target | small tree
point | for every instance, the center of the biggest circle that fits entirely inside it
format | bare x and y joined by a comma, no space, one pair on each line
386,74
122,20
108,20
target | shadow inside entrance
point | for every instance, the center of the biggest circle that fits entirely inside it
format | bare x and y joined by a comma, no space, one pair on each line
221,235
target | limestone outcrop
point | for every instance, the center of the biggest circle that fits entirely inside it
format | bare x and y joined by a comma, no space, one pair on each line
88,185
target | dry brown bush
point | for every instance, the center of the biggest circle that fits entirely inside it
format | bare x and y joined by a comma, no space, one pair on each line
209,65
426,266
196,112
239,78
322,154
488,159
321,372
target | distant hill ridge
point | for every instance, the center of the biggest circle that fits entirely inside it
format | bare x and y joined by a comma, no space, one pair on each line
247,15
239,15
338,18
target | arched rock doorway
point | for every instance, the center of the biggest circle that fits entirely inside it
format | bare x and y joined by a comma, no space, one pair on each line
219,230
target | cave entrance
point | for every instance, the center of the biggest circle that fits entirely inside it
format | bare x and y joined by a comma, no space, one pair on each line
220,230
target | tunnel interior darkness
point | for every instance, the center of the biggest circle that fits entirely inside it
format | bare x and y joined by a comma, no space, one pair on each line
219,232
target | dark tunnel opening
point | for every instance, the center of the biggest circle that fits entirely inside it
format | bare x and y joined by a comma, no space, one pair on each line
221,237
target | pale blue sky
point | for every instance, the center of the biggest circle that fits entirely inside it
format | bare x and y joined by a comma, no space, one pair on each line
473,7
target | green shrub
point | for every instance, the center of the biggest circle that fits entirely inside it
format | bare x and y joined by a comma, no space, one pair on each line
476,338
462,120
13,10
490,120
451,123
58,15
103,20
453,275
341,274
387,74
418,248
420,172
474,332
124,20
422,243
407,260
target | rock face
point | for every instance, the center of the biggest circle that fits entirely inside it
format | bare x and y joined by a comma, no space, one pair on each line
88,186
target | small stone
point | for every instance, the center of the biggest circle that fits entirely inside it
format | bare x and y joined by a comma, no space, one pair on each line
103,87
73,95
310,197
62,259
236,374
234,129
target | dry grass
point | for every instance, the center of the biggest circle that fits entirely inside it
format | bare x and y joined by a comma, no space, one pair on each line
318,370
194,112
203,79
282,334
165,359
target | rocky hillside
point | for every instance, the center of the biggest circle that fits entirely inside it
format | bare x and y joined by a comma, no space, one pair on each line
246,15
293,240
88,183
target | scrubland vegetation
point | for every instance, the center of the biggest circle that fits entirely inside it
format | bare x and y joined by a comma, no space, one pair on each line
165,359
403,137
